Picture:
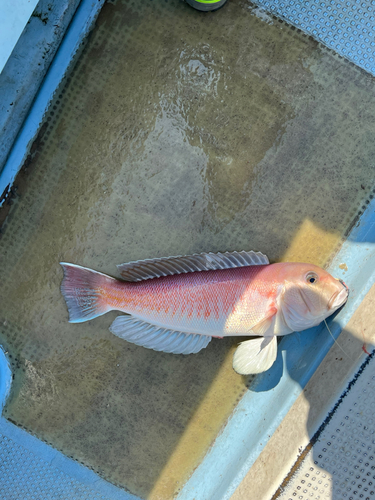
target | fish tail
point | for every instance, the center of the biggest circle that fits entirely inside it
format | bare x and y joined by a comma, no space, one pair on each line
84,292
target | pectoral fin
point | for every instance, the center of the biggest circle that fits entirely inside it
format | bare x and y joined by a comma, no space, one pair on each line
265,326
255,356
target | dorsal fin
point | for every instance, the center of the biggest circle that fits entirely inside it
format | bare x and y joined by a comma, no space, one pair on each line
166,266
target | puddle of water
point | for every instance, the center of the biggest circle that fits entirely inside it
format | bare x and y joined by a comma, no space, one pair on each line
176,133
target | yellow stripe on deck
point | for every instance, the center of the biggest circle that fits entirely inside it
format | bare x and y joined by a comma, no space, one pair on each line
312,244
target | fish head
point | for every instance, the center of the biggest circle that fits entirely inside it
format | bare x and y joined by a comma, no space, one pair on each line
309,295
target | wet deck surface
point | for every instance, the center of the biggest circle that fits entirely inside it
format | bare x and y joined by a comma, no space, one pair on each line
176,133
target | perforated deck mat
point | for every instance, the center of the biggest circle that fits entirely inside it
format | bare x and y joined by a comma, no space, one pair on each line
31,470
341,464
347,27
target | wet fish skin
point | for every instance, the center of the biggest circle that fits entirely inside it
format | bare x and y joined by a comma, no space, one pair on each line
180,313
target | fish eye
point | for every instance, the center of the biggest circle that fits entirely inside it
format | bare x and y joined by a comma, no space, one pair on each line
312,278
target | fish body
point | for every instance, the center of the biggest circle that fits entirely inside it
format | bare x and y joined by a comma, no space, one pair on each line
178,305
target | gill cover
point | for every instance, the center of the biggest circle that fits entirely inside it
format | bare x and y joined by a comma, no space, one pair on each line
307,302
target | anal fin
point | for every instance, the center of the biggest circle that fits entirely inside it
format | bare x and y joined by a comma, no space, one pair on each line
157,338
255,356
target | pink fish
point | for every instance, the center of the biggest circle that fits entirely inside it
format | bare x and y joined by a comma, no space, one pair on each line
177,304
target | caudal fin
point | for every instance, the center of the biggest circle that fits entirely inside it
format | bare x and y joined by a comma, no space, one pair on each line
83,289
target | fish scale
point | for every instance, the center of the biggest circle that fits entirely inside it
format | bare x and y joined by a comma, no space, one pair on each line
196,302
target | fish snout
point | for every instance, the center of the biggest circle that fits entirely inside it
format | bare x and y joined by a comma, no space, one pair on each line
339,298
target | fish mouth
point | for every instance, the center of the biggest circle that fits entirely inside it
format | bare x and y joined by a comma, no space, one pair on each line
338,298
345,285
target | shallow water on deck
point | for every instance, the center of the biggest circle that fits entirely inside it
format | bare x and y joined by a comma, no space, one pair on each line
176,133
